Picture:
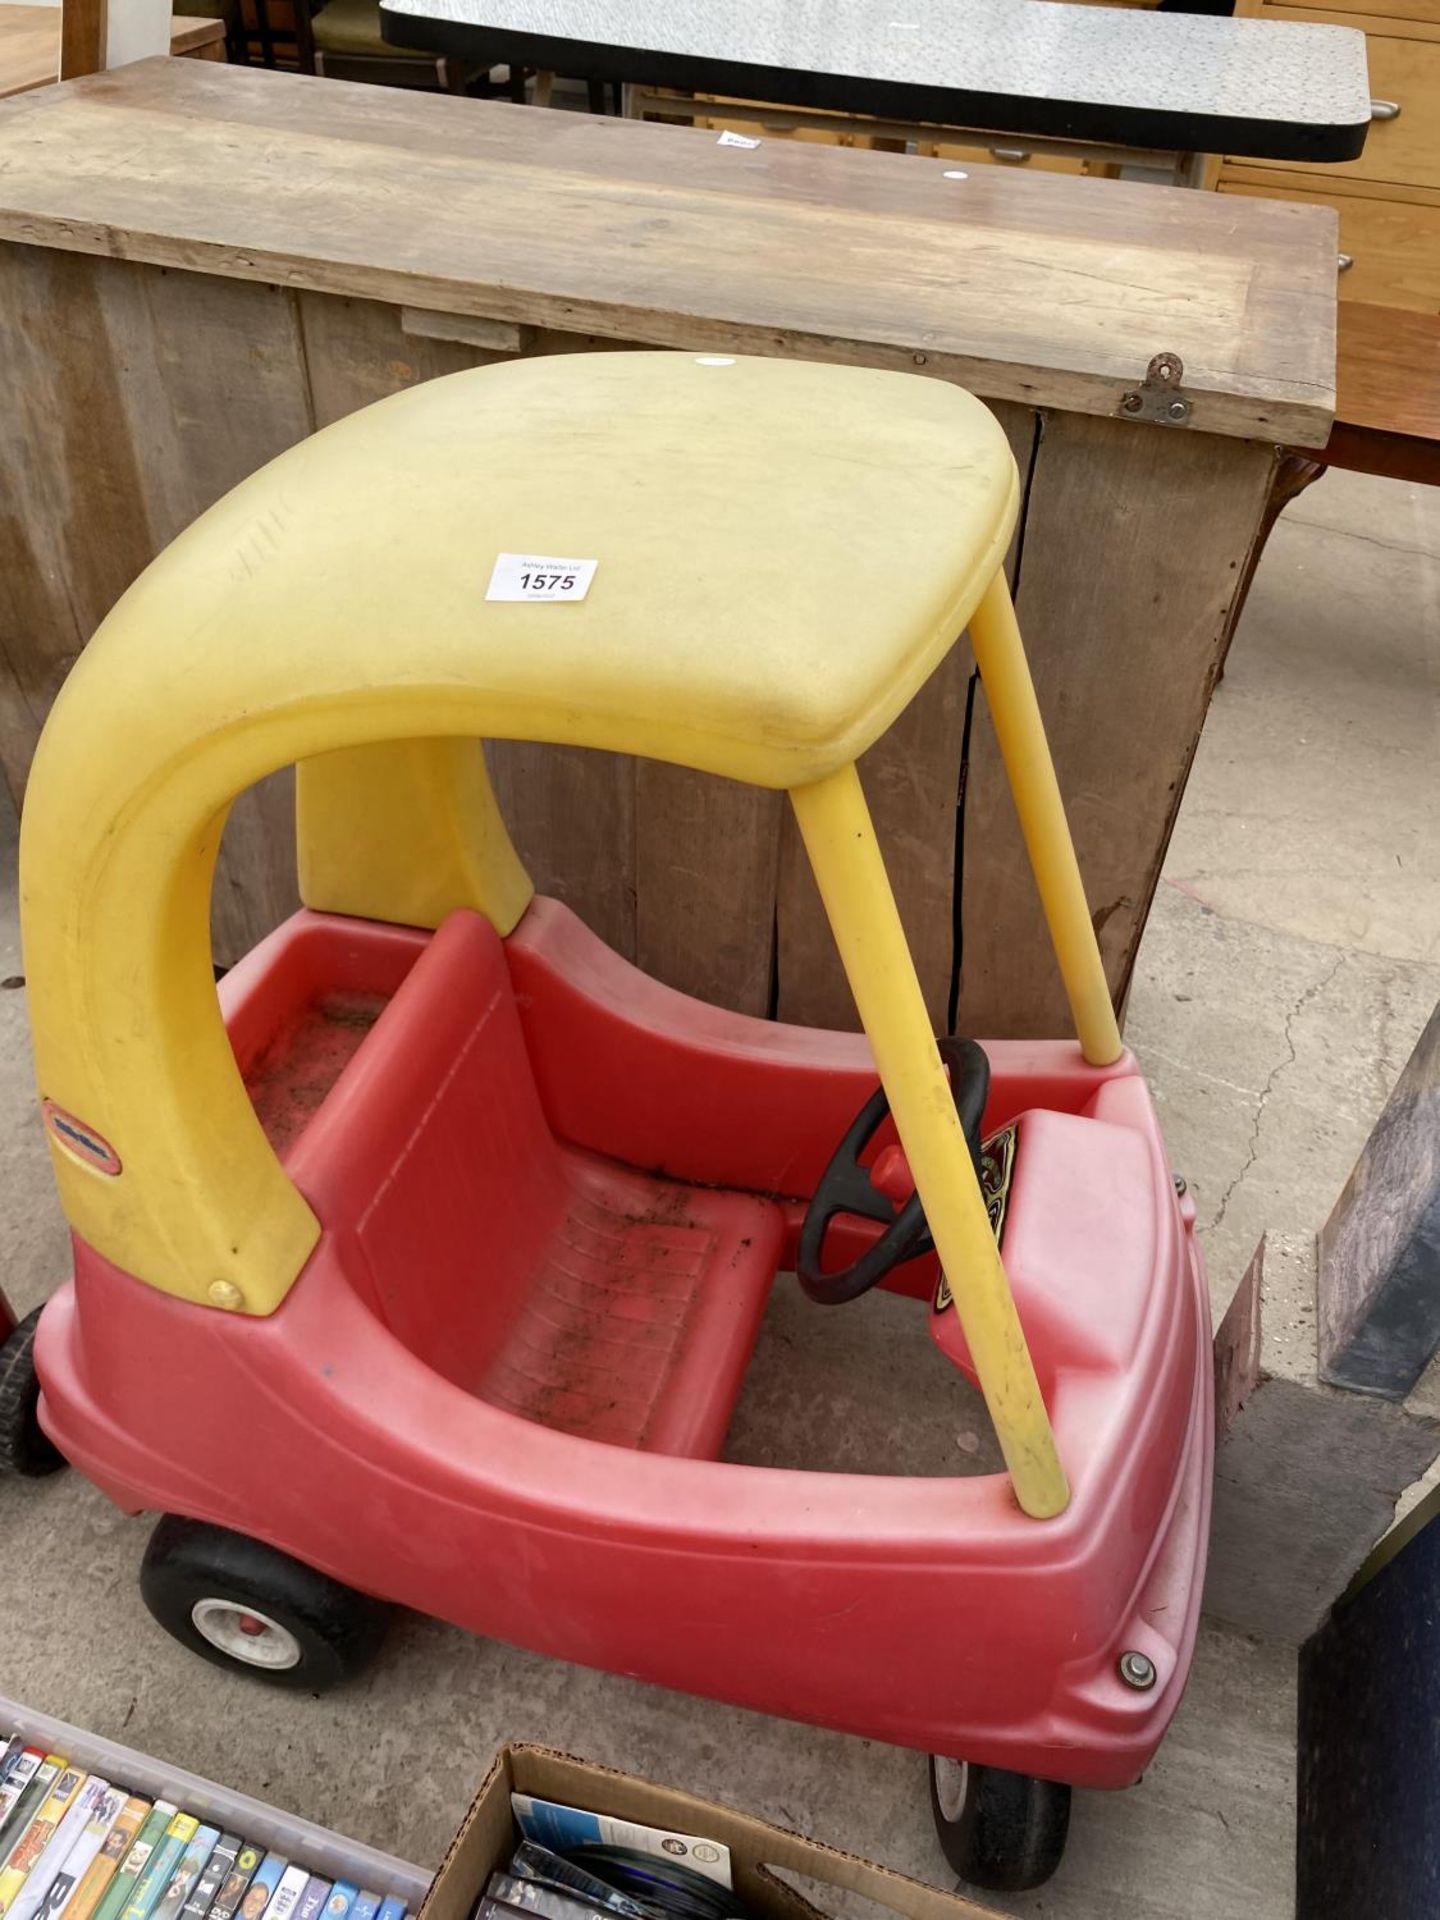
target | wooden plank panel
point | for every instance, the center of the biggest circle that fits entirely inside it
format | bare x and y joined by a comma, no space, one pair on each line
74,529
1135,541
1034,288
571,814
157,394
255,880
213,384
707,856
911,780
358,352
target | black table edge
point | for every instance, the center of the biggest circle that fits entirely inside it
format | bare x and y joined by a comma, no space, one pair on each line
1154,127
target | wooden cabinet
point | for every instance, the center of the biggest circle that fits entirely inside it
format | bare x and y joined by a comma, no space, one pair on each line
1403,147
1389,199
1389,248
1017,152
858,130
1376,13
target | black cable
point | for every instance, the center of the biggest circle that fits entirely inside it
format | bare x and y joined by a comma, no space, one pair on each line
962,784
957,895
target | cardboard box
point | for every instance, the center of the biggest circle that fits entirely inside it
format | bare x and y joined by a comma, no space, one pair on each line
488,1835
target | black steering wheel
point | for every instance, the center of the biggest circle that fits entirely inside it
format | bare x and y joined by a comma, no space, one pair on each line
846,1187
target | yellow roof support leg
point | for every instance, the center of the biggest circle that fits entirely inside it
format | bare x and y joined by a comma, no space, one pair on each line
840,840
406,830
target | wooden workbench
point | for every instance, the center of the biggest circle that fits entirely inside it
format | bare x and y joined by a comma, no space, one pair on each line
201,264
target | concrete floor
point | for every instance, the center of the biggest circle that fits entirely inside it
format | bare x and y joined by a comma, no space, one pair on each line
1292,958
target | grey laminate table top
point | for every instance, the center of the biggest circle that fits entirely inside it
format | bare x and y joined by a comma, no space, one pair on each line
1189,82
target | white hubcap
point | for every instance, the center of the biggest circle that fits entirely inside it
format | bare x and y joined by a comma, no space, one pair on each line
952,1782
246,1634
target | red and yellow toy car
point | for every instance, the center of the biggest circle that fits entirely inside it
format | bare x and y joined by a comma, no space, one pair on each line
423,1265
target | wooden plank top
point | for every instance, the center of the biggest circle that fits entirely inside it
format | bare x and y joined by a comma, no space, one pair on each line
1045,289
1269,89
30,44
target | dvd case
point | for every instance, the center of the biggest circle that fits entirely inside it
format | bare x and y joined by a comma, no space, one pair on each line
188,1869
14,1773
213,1876
142,1849
149,1889
20,1770
61,1845
312,1900
35,1841
342,1897
288,1889
535,1896
365,1906
236,1884
83,1855
107,1863
258,1894
17,1827
531,1861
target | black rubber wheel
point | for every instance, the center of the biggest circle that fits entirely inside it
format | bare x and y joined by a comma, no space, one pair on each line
24,1448
1002,1831
253,1610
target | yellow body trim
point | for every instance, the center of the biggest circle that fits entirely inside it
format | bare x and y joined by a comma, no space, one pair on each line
850,872
406,831
126,804
1010,694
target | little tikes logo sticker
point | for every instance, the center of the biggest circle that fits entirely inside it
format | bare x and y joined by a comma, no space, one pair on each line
80,1141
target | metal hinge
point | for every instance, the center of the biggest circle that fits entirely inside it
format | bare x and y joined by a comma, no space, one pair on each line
1158,396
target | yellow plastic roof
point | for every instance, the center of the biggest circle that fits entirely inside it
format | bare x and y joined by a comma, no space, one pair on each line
785,552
